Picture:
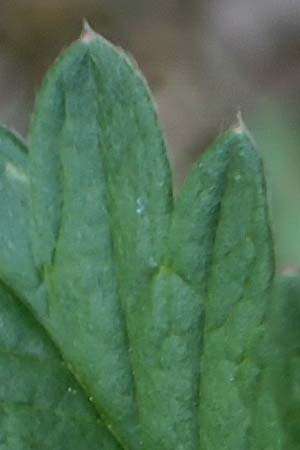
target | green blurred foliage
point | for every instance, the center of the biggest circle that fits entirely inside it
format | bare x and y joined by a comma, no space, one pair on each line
277,133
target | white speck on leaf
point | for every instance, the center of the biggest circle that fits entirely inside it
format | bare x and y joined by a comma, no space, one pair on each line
140,207
153,263
16,173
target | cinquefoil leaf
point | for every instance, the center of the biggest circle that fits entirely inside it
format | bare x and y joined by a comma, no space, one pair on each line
101,200
202,334
170,328
236,304
157,311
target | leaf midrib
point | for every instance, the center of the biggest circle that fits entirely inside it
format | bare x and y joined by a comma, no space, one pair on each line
101,414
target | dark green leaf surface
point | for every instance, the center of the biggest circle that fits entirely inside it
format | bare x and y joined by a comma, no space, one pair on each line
285,341
16,264
239,279
219,255
197,211
167,365
101,195
169,329
41,405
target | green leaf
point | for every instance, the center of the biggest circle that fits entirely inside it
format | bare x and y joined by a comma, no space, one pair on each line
218,259
170,329
41,404
38,394
155,313
16,263
101,200
285,345
236,301
197,211
167,354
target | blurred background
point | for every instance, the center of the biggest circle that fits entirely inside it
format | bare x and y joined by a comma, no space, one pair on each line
204,60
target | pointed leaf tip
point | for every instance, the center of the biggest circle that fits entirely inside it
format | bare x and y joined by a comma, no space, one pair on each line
239,126
88,34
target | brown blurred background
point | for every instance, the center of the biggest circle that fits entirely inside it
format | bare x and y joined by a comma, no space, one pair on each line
204,60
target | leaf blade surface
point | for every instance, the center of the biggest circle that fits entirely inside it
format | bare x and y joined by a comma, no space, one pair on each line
100,217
